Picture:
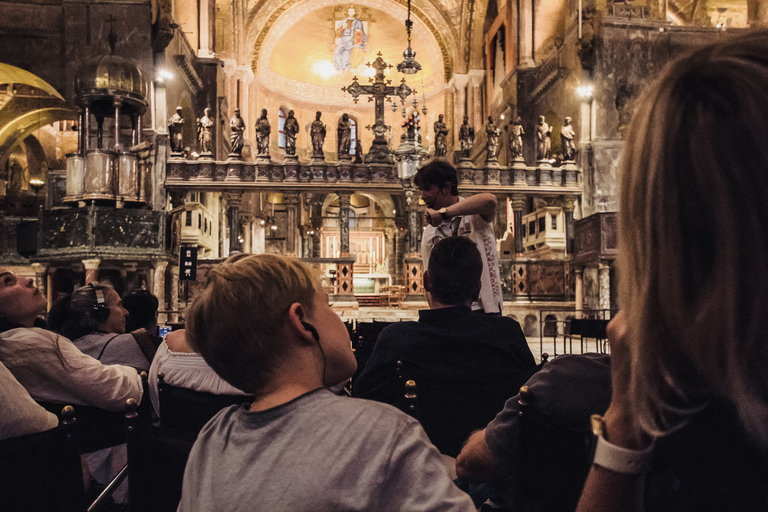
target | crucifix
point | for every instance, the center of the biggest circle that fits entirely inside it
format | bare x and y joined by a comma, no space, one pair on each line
379,91
112,37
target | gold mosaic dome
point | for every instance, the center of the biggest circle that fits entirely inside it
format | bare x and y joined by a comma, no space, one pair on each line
110,76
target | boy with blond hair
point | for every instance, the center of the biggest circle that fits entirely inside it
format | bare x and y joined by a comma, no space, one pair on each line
264,325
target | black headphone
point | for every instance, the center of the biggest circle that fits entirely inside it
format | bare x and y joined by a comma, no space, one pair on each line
100,311
313,331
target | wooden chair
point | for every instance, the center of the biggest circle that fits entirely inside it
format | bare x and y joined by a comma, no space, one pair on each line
553,462
449,411
42,472
99,428
189,410
156,460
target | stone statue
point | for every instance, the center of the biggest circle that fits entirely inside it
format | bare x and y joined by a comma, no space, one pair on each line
263,130
317,132
237,129
441,136
175,124
205,132
494,140
516,139
568,140
543,140
291,128
358,152
467,138
344,131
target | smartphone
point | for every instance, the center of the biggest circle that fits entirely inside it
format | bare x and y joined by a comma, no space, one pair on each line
163,330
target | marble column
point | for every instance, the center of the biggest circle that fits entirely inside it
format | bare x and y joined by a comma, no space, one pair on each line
40,282
344,223
525,33
246,219
458,87
49,286
132,276
174,316
92,270
604,283
86,120
578,274
158,288
316,219
118,105
234,200
568,206
291,206
518,203
476,80
414,266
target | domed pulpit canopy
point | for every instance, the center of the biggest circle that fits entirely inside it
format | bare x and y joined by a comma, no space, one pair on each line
108,89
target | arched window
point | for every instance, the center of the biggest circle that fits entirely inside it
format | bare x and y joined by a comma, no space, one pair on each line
281,129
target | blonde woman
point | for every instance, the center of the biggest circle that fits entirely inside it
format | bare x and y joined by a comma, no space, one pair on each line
693,276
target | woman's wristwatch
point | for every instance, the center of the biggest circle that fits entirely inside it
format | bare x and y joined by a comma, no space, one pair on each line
616,458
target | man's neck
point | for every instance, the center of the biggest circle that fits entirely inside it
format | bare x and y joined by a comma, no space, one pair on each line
449,201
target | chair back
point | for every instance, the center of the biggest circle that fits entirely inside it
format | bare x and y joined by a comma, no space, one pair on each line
42,472
553,462
157,458
450,410
189,410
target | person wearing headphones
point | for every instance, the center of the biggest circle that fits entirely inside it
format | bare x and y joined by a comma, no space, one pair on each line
93,317
263,323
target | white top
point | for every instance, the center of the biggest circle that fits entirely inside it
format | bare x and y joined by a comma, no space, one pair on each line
480,232
82,380
185,370
20,414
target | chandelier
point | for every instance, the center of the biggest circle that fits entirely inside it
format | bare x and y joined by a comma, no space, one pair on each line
409,66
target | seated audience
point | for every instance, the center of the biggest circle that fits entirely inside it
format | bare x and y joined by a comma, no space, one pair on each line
183,367
93,317
51,368
141,321
450,346
693,227
263,324
566,391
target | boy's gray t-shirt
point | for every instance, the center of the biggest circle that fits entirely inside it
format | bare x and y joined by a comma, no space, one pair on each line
317,452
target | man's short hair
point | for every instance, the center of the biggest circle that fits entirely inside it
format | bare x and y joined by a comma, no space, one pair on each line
455,268
142,309
235,322
437,172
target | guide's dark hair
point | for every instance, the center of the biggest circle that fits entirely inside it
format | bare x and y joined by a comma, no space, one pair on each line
437,172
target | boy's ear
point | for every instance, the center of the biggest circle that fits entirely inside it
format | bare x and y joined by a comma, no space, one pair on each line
427,282
296,319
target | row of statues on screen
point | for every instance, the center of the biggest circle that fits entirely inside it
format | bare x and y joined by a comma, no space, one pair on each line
317,131
205,127
515,132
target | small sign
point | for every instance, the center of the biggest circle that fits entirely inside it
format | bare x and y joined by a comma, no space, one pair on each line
188,263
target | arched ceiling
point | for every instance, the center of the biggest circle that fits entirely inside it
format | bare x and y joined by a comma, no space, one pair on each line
293,49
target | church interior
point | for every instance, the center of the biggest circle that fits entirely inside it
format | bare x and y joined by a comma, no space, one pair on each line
118,152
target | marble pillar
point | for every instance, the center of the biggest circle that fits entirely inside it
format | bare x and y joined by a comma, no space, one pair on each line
568,206
604,283
578,274
174,316
344,223
158,288
525,34
234,200
291,208
518,203
92,270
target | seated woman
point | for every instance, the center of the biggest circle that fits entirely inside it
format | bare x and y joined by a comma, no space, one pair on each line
693,232
51,368
93,317
183,367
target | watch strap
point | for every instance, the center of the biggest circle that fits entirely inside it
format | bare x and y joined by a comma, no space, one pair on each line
617,458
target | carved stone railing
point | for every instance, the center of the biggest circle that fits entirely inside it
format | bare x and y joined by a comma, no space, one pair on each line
548,280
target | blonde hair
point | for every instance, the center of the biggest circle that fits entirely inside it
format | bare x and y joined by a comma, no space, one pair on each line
236,320
693,238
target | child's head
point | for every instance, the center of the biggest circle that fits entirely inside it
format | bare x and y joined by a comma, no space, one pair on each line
248,307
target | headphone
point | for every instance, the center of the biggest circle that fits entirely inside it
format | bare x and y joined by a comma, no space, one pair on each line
316,336
100,311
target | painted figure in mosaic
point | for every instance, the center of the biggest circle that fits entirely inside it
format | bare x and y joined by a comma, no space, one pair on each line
344,131
175,124
350,33
291,128
467,138
441,137
543,139
205,132
494,139
263,130
317,132
516,133
568,140
237,129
